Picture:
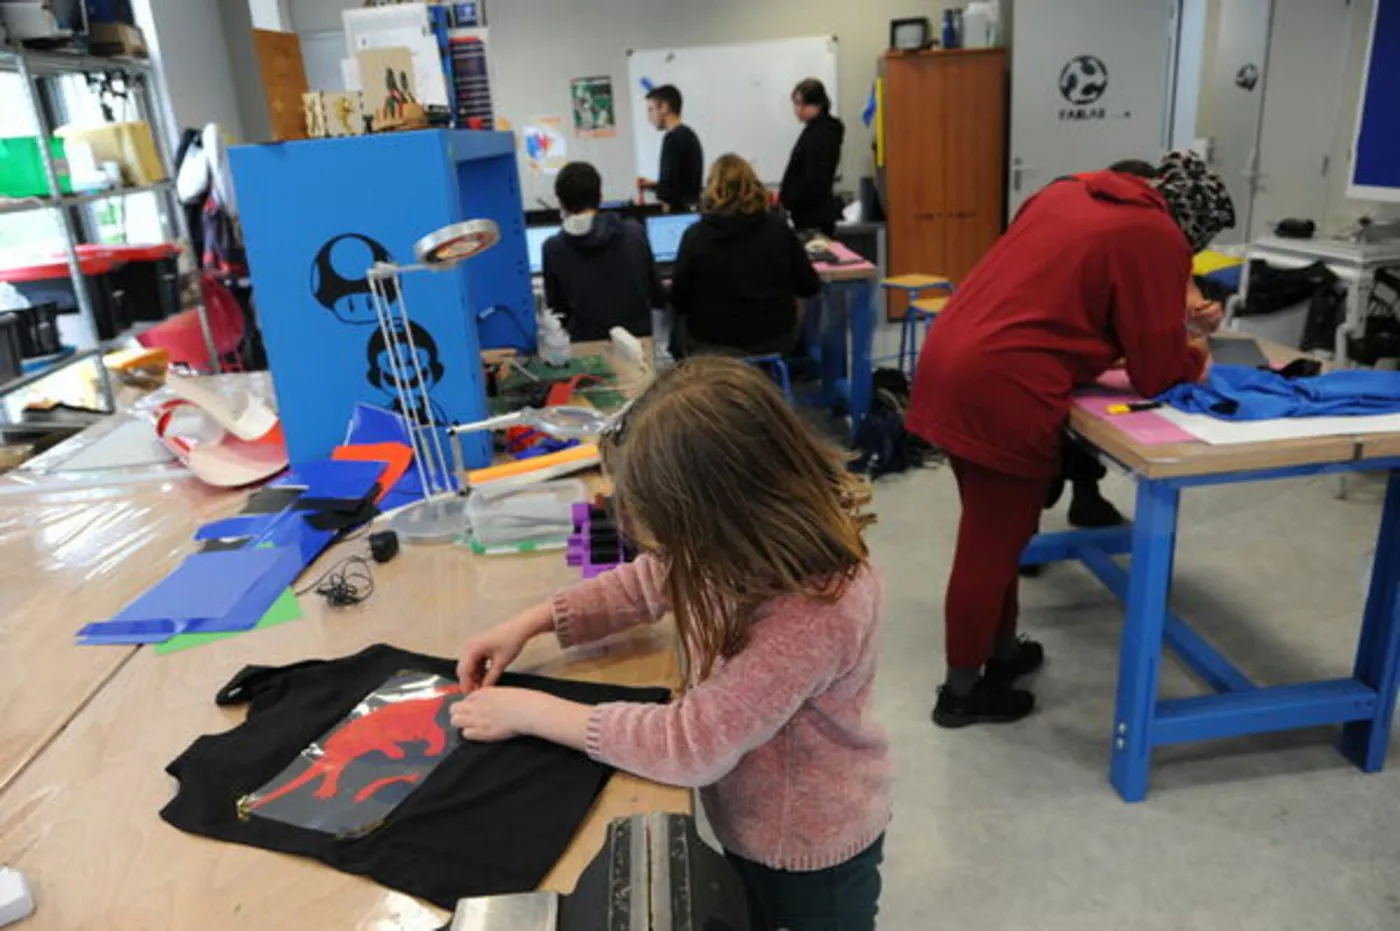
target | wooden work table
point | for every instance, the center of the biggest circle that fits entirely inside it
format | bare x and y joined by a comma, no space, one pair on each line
88,731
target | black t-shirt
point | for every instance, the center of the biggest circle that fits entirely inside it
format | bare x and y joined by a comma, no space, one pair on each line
682,169
443,818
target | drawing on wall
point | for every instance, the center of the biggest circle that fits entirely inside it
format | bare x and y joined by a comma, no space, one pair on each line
594,117
415,356
546,149
339,277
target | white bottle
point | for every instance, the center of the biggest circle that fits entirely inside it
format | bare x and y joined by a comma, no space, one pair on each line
555,348
981,24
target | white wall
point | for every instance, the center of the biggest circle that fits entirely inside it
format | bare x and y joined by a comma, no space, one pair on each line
538,45
269,14
186,38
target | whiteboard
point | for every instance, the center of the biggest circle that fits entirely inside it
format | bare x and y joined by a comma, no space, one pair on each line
737,98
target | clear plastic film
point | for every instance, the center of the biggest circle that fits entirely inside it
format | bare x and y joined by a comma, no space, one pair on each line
350,778
76,544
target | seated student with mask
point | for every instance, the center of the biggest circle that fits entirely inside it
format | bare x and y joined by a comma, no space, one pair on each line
740,270
599,272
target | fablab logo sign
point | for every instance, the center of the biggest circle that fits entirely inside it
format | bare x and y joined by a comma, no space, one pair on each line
1083,81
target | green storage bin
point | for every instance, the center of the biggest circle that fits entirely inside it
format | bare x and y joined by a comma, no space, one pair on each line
22,170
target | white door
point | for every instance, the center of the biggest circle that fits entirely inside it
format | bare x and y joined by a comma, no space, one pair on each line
1232,102
1090,83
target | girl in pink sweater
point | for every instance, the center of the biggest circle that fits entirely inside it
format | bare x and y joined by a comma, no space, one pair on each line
752,531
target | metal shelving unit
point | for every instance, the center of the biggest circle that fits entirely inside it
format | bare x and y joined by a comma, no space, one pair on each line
36,66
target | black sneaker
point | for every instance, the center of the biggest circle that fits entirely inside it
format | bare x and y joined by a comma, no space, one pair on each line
1028,658
989,702
1091,510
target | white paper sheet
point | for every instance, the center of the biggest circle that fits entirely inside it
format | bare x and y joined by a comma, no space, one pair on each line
1229,432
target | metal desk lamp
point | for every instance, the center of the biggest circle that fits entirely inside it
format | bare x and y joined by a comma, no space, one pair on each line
441,515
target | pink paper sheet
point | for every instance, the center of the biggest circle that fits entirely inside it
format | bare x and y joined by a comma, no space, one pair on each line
845,254
1145,427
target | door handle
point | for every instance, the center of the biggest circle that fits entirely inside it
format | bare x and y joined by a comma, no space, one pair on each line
1018,170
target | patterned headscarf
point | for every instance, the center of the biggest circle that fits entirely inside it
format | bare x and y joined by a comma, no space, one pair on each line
1197,197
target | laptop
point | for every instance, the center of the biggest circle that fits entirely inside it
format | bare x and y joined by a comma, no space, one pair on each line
665,232
535,237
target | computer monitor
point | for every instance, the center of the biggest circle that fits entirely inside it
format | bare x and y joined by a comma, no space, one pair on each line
665,233
535,237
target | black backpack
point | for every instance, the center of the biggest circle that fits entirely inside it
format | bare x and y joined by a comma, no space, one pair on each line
882,443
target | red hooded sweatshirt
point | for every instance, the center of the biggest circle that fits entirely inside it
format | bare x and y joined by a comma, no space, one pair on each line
1092,270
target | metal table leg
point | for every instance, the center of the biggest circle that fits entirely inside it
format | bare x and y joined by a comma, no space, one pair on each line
1149,587
862,323
1378,651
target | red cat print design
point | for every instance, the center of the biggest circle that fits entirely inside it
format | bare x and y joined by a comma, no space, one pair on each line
385,730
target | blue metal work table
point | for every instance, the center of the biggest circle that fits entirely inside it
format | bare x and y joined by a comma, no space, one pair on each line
841,330
1362,703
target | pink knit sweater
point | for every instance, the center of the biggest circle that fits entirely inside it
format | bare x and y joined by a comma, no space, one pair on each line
794,773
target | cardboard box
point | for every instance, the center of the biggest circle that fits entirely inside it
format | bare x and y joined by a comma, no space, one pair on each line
117,39
130,145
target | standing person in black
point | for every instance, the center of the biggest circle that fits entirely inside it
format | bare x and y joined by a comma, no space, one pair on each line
741,270
811,171
599,271
682,160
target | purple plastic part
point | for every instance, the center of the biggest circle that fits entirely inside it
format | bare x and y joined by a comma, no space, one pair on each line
578,552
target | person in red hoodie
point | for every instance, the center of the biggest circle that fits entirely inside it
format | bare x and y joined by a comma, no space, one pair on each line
1092,270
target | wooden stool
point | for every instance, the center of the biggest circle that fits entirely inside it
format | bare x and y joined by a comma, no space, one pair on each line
920,310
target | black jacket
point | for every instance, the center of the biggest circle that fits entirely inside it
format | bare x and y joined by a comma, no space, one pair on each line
604,279
737,279
811,174
682,169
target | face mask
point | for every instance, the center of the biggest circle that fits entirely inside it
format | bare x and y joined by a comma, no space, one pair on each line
578,224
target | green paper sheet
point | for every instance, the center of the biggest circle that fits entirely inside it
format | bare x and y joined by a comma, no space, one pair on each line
284,609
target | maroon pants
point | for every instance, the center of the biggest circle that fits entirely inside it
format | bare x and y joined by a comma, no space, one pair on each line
1000,514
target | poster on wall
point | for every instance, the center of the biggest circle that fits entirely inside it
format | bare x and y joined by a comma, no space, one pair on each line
592,98
546,148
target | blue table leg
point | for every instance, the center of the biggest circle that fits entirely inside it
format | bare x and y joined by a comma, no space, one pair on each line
862,321
833,343
1149,587
1378,653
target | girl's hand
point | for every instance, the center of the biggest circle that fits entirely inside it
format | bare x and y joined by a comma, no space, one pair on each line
493,714
486,656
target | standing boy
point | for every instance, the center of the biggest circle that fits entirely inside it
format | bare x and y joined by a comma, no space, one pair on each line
598,272
682,160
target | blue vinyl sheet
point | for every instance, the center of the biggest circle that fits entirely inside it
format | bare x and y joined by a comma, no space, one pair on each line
207,592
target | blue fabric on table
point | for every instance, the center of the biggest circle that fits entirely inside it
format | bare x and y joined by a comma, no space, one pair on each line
1234,392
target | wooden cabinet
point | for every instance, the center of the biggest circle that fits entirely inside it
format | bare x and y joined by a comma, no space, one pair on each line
944,148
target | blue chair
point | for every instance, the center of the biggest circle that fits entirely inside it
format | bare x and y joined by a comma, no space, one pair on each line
776,366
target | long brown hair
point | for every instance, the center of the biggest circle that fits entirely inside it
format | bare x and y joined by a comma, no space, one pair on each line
733,188
717,476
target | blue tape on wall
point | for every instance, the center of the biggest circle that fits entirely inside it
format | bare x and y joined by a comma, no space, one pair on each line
1377,163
